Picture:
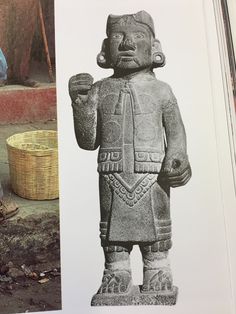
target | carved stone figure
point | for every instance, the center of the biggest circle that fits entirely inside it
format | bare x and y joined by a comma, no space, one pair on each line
135,121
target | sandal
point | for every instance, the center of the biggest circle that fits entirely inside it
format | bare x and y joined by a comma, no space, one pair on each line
8,209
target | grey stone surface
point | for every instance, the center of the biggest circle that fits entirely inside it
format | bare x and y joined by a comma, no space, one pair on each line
136,298
135,121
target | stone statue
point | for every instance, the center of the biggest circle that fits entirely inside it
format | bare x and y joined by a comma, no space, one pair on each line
135,121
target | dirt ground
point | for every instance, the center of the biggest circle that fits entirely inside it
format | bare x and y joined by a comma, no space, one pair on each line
23,295
30,276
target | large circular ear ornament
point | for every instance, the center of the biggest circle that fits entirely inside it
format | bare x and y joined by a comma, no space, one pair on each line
159,59
101,60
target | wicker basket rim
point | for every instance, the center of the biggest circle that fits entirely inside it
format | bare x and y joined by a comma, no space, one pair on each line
48,150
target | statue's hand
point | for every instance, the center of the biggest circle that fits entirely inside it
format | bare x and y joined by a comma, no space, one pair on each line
176,170
80,84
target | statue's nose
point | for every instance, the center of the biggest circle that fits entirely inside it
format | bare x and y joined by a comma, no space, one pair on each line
127,44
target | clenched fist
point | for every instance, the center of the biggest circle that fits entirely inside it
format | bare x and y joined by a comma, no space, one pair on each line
80,84
176,170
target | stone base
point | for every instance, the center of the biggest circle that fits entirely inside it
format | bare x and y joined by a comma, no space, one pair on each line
135,297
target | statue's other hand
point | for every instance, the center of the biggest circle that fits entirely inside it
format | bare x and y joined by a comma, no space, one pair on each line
80,84
176,170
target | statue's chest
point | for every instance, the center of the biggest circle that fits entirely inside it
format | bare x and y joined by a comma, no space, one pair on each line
127,99
129,114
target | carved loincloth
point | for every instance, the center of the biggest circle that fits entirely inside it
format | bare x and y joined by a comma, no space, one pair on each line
131,194
133,214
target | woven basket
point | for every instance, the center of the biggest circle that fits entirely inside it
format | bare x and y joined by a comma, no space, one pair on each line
33,163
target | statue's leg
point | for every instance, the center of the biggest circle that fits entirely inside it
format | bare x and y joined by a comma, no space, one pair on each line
157,274
117,274
156,266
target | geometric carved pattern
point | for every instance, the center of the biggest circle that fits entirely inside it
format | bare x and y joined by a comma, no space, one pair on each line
130,194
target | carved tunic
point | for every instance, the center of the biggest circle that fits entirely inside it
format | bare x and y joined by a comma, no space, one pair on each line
131,124
130,119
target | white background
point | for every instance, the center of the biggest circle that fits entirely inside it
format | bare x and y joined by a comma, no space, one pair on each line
199,256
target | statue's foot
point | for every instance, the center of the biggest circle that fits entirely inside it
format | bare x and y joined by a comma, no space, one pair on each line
157,280
118,281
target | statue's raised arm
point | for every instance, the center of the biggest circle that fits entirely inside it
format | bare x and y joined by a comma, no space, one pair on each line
84,97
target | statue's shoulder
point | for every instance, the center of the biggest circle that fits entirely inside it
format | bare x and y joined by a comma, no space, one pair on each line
98,84
150,78
165,87
164,90
95,89
107,84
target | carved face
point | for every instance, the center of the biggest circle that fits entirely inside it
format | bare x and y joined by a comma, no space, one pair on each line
130,46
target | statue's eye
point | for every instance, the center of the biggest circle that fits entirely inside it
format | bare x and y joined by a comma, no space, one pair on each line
116,36
138,35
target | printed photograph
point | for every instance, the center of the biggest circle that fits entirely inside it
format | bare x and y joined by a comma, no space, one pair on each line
141,113
30,272
140,98
135,121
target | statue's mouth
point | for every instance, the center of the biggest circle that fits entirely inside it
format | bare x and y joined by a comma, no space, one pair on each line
127,57
127,54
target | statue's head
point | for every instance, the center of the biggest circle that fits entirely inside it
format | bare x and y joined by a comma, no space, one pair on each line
131,43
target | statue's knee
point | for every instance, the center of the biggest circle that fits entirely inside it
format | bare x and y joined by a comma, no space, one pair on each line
159,246
116,247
